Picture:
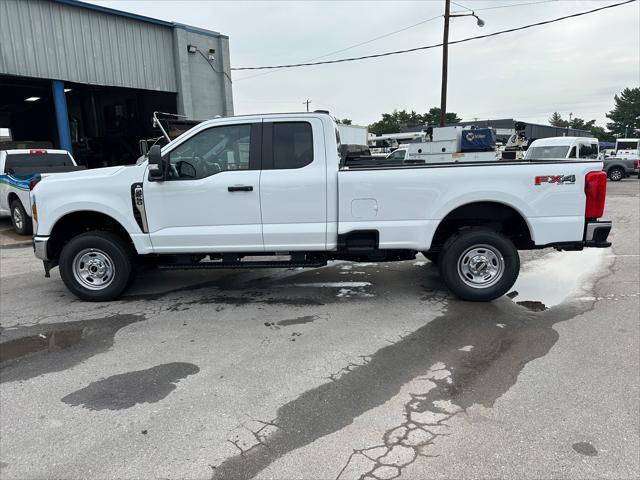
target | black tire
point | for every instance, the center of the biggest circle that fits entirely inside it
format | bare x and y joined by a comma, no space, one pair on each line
21,222
475,248
433,257
616,174
114,266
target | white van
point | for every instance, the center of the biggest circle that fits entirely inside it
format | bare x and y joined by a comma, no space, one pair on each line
555,148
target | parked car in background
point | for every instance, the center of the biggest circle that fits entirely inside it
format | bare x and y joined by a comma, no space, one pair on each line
618,168
19,171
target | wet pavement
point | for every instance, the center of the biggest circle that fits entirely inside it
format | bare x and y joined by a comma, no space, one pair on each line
347,371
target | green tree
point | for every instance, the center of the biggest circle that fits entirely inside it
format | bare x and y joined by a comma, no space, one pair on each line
601,134
578,123
344,121
432,117
557,121
394,121
625,116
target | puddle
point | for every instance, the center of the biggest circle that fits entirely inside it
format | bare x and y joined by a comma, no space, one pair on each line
30,346
334,284
298,321
548,281
128,389
585,448
42,342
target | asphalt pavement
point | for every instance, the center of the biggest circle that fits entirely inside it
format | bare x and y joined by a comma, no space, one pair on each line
346,371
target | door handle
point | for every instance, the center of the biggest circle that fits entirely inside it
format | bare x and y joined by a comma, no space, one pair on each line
240,188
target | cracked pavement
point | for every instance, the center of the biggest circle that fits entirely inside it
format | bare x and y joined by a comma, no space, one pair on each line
351,371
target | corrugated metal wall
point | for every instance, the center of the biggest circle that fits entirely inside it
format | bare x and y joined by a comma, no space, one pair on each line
51,40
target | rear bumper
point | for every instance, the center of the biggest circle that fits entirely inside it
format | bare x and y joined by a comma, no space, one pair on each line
596,234
40,247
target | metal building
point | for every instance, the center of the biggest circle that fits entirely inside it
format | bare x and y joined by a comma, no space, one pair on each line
88,78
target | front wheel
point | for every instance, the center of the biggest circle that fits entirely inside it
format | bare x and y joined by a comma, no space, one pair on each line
96,266
616,174
479,264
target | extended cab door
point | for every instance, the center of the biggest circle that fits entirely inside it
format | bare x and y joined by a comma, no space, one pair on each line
210,201
293,185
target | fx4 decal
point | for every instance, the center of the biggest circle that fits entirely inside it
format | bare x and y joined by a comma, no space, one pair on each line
557,179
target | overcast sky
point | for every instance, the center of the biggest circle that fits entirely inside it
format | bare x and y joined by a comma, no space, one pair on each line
576,65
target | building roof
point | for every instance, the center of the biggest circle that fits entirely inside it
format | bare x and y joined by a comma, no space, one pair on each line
141,18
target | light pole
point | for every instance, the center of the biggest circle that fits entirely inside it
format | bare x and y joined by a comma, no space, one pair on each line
445,55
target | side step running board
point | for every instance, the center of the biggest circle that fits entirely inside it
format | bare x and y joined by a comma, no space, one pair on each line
222,265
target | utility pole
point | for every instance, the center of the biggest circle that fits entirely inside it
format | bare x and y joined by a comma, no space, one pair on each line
445,64
445,55
570,115
307,102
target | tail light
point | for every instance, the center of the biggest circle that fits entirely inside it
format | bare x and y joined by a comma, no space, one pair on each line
636,164
37,151
34,181
595,188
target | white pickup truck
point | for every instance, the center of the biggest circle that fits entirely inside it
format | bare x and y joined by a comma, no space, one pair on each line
20,168
233,189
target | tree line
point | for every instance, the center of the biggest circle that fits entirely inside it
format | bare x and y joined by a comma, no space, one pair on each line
624,119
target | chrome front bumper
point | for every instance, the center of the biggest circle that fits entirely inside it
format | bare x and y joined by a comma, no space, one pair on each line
40,248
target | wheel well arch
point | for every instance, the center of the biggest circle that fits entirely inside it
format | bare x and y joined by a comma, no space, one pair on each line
498,216
13,196
75,223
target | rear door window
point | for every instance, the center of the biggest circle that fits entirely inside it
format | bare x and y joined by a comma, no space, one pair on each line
589,151
292,145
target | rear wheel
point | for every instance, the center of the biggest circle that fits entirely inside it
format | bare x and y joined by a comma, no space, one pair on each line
19,219
479,264
616,174
96,266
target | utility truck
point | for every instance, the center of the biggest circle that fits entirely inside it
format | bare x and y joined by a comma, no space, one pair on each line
231,191
20,168
449,144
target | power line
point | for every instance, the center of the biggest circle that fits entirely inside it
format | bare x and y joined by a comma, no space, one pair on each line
503,6
427,47
357,44
422,22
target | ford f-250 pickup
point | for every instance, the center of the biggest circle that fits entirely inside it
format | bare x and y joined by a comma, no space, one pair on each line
233,189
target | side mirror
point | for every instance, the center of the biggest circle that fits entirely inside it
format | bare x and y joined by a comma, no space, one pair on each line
156,166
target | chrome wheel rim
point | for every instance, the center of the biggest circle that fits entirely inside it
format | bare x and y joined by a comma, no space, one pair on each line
93,269
481,266
616,175
17,218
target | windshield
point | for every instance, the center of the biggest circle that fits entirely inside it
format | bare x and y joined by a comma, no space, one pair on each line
397,155
543,153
